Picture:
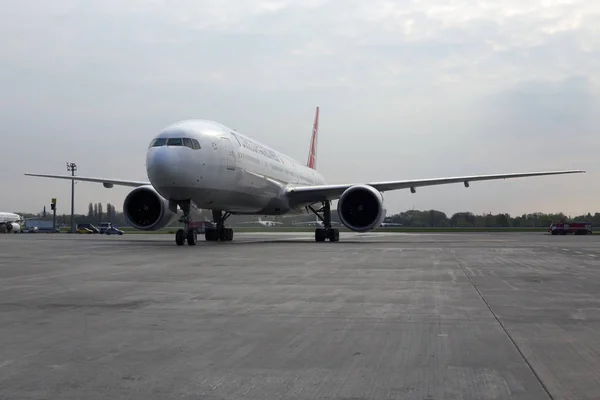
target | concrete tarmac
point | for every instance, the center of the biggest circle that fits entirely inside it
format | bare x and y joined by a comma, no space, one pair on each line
278,316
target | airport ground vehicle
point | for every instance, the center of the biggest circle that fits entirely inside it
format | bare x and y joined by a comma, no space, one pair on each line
204,164
576,228
104,226
88,226
113,230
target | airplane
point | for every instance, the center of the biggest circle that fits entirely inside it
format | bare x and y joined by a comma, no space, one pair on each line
10,222
389,224
316,222
217,168
263,222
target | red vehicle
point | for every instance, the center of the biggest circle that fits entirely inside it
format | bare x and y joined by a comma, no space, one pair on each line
576,228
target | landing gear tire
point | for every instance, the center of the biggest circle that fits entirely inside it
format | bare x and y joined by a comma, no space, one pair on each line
180,237
210,234
221,235
334,235
192,237
227,235
322,234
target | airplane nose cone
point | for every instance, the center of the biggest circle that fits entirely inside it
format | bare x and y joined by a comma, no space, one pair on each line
164,168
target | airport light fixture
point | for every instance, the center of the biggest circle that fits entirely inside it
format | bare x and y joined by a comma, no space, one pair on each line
72,167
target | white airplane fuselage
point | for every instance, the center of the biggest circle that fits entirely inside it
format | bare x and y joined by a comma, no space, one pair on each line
230,171
10,222
10,217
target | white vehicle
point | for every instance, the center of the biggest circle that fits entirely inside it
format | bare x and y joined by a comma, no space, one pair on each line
10,222
211,166
103,226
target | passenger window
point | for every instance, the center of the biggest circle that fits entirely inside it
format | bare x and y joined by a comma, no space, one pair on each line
188,143
175,142
195,144
158,142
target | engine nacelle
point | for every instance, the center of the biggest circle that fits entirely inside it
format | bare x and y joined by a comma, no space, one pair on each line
13,227
147,210
360,208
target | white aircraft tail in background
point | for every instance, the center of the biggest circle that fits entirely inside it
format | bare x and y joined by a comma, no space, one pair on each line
216,168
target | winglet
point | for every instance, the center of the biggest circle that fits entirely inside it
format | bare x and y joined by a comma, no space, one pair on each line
312,153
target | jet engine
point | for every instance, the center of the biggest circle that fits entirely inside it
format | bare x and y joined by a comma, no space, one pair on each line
360,208
13,227
146,210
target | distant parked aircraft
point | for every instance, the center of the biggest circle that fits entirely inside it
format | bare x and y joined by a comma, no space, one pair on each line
263,222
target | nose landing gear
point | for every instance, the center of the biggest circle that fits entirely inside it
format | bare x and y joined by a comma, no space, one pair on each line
186,234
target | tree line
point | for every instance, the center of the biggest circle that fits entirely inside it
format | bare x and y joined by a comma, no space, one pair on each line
97,212
438,219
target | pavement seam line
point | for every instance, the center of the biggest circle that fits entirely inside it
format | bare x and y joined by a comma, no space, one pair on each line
514,343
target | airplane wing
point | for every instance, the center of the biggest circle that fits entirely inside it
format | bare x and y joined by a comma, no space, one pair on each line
311,194
108,183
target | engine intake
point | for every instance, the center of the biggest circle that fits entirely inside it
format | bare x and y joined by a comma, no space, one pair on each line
12,227
146,210
360,208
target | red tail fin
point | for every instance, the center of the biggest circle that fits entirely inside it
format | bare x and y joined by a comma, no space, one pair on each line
312,153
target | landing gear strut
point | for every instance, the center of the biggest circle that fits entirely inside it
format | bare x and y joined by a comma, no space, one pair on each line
186,233
326,232
220,233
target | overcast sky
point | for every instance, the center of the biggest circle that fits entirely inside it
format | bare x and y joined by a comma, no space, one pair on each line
407,89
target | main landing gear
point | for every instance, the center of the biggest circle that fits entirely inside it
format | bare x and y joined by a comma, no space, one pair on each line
326,232
186,234
220,233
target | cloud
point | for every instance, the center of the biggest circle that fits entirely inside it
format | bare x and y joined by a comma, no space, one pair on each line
437,87
341,43
545,104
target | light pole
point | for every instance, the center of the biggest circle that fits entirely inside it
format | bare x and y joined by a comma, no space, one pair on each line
72,167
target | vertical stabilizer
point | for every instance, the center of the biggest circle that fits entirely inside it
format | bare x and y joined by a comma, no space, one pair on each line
312,153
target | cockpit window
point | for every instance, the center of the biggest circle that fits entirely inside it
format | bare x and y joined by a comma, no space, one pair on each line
187,142
158,142
175,142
